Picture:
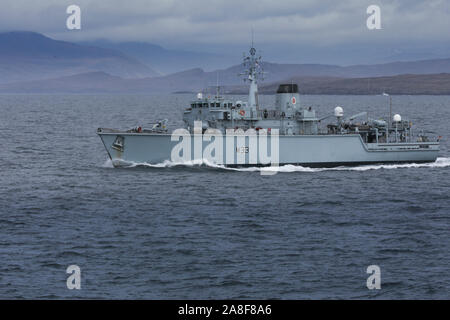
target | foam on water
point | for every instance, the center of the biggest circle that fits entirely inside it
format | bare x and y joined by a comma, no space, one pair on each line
108,164
439,163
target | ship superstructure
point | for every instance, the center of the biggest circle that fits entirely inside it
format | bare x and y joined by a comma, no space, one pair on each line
299,137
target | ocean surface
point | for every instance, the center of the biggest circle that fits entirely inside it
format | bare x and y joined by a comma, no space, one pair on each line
198,232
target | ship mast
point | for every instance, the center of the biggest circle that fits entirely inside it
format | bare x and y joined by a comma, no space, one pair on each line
253,71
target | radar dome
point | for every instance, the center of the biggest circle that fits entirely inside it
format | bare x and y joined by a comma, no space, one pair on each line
397,118
199,95
338,112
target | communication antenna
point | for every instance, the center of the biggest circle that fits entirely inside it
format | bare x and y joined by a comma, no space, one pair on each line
252,39
217,86
253,69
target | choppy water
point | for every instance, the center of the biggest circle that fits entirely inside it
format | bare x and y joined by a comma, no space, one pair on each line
203,232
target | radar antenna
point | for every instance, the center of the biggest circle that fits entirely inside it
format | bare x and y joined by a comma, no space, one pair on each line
253,72
252,66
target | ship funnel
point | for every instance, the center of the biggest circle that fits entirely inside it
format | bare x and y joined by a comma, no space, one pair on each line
287,99
288,88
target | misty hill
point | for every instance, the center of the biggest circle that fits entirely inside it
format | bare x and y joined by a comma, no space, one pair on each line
30,55
31,62
100,82
171,61
197,79
430,84
26,56
164,60
276,71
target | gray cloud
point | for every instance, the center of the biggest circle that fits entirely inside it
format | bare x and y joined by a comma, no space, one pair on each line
224,25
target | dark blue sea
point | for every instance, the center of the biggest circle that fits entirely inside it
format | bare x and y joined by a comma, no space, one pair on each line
199,232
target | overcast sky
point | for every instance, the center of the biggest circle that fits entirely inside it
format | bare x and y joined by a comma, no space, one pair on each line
328,31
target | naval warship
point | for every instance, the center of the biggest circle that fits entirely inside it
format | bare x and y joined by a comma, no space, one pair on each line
224,132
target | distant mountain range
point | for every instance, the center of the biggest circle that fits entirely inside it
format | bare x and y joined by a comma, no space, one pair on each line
166,61
100,82
427,84
31,62
30,55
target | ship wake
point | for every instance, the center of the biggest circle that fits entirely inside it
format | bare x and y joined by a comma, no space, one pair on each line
439,163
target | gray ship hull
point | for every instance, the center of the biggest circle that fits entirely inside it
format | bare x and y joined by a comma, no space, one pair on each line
305,150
